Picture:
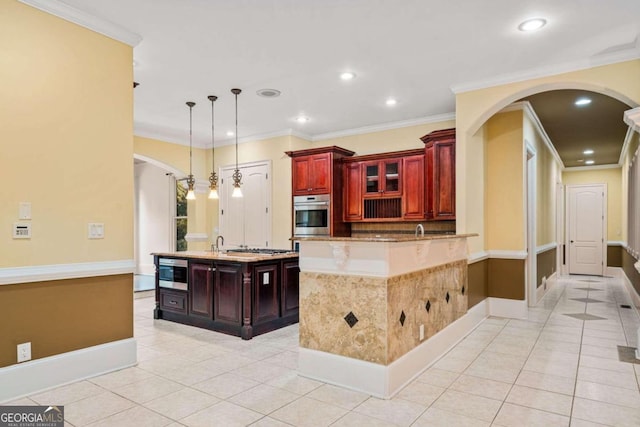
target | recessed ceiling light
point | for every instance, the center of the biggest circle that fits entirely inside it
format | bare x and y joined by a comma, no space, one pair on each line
348,75
587,151
582,101
391,101
532,24
302,119
589,162
268,93
230,133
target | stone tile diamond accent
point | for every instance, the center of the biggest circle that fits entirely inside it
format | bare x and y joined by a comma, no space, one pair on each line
586,300
627,354
403,317
584,316
447,297
428,306
351,319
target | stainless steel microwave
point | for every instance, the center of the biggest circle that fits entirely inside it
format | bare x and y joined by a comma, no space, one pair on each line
311,215
173,273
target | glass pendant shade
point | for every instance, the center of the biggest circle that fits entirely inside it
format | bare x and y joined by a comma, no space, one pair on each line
213,193
237,191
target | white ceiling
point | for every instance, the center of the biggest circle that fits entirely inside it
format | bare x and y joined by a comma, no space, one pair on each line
418,51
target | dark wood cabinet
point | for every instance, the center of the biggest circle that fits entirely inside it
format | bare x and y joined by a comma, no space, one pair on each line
201,289
227,293
244,297
174,301
266,284
312,174
382,178
319,171
353,191
440,179
385,187
413,202
290,298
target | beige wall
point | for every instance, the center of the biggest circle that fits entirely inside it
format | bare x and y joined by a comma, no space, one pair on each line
504,183
66,125
613,179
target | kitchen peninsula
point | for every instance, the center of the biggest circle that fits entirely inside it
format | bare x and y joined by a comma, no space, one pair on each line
373,310
239,293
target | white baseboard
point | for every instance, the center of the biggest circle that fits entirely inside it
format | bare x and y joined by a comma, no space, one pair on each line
619,272
385,381
550,282
511,308
37,375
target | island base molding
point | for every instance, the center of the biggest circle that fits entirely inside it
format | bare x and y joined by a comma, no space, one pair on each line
384,381
40,374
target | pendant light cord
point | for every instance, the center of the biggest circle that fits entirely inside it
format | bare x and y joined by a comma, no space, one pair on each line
236,130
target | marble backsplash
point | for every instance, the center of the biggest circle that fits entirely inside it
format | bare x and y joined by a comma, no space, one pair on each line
378,319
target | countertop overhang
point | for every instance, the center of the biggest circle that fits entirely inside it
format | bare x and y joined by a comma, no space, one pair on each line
226,256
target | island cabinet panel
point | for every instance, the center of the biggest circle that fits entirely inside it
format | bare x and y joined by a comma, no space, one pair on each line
440,154
266,286
227,293
312,174
173,301
290,300
201,289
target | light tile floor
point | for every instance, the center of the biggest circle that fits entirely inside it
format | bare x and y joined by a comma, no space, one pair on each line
550,369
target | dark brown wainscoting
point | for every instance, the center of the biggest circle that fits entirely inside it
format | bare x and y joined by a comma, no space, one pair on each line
64,315
545,265
614,255
478,282
506,278
630,270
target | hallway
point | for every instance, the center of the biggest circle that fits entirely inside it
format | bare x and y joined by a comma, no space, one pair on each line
559,367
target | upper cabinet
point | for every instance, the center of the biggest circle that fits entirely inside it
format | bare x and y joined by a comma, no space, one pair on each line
384,187
440,179
312,174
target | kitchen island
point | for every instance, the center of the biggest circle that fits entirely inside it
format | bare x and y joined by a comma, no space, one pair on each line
238,293
375,312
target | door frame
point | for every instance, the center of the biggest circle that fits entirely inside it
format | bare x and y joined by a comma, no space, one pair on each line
567,227
531,271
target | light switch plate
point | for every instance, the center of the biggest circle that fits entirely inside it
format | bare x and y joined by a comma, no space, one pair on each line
24,210
96,230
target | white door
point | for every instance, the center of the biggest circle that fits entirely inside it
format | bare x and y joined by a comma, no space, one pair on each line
246,220
587,218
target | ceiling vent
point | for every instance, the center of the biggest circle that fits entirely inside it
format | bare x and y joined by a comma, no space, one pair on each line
268,93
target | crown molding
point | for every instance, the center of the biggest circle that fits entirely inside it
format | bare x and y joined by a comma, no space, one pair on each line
590,168
384,126
86,20
526,107
630,53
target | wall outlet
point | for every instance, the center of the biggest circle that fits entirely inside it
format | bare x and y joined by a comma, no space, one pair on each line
421,332
24,352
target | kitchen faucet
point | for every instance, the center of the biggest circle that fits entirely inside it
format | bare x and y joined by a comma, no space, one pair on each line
421,229
216,248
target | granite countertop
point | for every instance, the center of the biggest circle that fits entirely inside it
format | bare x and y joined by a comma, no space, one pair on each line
385,238
227,256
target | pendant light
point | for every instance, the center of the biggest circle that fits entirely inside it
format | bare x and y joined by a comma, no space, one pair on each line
213,179
237,176
191,194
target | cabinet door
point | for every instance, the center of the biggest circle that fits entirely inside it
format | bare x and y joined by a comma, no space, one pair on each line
383,178
290,295
301,178
201,289
265,293
320,176
444,206
353,192
429,179
227,294
372,185
413,198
